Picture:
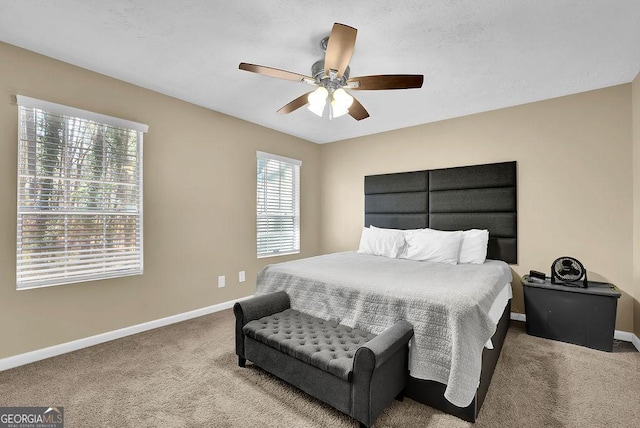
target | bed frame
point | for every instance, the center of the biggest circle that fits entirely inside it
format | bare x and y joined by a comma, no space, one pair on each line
470,197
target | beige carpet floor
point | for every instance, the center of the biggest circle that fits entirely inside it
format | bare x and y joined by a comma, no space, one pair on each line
185,375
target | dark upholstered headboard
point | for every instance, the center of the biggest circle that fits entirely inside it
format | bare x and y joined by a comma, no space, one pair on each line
468,197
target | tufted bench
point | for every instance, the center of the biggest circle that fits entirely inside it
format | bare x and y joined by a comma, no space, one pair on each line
352,370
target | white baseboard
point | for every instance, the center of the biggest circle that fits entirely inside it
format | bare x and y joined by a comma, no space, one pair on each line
518,317
636,342
63,348
625,336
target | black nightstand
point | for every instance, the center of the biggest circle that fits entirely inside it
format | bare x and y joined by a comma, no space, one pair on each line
583,316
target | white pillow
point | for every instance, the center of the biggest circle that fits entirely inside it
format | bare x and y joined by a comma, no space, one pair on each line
383,228
433,245
381,242
473,248
403,251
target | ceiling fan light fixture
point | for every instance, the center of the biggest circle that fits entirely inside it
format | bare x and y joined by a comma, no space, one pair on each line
337,110
342,98
340,103
317,100
317,109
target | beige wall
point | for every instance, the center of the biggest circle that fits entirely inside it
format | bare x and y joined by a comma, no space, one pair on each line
635,109
574,179
199,207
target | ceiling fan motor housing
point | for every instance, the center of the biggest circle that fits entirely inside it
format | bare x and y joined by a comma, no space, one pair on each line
317,71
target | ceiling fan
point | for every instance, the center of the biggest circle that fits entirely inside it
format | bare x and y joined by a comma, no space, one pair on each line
331,76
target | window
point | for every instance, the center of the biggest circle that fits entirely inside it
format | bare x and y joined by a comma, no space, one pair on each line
278,205
79,195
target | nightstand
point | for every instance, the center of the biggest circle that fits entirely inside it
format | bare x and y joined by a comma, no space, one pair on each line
583,316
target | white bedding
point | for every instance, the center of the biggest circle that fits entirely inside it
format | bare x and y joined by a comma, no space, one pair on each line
449,306
498,308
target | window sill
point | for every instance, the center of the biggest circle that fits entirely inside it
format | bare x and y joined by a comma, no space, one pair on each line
264,256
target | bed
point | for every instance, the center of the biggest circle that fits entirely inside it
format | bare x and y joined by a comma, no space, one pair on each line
450,365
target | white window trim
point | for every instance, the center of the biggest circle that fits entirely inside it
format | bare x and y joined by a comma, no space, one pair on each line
265,155
84,114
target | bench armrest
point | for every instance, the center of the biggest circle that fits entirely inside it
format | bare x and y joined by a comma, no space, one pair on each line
261,306
378,350
380,371
256,308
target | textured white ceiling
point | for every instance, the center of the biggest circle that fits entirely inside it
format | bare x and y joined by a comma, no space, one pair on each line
476,55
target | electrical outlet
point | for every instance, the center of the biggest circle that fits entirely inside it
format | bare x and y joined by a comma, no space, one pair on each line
241,277
221,281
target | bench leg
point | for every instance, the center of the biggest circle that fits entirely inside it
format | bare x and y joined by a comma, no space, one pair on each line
400,397
242,361
363,425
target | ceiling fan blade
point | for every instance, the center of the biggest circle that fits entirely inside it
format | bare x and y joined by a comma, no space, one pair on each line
358,112
275,72
339,48
295,104
386,81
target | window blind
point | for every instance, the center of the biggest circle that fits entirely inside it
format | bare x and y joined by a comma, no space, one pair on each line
79,195
278,205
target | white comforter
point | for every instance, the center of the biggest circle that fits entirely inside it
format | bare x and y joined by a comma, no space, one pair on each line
448,306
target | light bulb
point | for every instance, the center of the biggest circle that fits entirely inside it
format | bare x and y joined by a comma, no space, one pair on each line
340,103
317,100
317,109
338,109
340,96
